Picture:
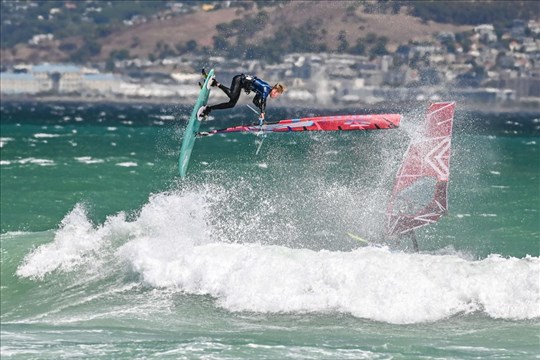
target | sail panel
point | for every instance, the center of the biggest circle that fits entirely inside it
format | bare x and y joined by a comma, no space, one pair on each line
323,123
419,196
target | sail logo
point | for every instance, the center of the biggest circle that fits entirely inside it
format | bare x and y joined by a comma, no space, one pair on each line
357,123
438,158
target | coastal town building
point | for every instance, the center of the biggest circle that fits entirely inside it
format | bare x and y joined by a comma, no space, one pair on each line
18,83
58,79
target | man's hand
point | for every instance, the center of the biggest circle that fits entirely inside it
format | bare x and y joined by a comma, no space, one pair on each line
262,116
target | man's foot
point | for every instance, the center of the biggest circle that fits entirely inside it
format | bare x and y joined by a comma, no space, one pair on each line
200,113
203,112
206,111
205,75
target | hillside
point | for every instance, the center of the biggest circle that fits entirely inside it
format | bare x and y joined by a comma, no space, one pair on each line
329,17
264,31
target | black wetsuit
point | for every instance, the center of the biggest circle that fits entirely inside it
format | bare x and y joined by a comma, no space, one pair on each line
248,84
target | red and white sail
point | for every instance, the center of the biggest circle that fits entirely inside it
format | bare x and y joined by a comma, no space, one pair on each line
419,196
323,123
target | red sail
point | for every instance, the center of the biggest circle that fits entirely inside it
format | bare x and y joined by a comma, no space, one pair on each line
323,123
419,196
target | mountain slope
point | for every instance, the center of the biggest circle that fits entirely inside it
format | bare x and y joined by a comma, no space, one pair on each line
323,22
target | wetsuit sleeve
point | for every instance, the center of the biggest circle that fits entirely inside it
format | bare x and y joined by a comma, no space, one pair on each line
260,102
263,90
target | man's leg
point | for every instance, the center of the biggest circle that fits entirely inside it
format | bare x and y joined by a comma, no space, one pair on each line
233,93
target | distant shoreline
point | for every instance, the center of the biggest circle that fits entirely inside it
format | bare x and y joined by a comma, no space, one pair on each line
495,108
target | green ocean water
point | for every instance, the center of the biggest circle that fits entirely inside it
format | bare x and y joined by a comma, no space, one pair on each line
106,253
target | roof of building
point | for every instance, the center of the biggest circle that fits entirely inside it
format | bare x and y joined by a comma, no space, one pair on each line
107,76
56,68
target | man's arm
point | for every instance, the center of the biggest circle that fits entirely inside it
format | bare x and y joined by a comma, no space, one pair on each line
263,91
260,102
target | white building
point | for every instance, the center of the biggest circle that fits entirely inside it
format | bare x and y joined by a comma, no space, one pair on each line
99,83
486,32
18,83
58,78
64,78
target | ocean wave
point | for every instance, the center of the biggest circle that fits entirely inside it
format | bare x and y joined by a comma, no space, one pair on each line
72,244
171,244
372,283
79,242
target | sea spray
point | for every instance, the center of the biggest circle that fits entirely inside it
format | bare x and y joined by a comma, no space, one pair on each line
178,221
73,243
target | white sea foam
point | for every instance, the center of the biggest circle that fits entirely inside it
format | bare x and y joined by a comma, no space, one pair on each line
127,164
34,161
371,283
4,141
72,243
171,245
165,117
45,135
89,160
78,241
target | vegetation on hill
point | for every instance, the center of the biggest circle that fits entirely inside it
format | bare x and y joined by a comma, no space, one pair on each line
21,20
498,12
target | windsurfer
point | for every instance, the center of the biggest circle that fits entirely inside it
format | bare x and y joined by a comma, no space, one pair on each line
247,83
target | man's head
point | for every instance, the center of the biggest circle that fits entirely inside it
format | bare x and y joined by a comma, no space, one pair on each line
277,90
